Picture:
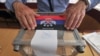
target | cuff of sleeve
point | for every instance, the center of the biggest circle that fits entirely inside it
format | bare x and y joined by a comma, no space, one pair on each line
9,4
89,5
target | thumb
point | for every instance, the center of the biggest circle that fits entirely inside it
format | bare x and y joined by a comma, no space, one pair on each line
36,14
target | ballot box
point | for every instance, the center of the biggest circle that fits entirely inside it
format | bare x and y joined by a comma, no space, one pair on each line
69,41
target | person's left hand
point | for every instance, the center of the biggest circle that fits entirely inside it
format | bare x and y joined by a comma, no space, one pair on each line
75,14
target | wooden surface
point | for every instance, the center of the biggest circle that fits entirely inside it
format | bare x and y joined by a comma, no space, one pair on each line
7,36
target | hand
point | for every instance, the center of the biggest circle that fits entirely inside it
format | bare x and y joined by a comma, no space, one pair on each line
75,14
25,15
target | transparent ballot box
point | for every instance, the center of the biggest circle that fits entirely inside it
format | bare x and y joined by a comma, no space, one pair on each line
69,43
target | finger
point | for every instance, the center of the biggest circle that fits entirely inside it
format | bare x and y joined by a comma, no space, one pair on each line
34,21
22,25
76,21
35,14
67,19
81,19
30,21
24,21
70,21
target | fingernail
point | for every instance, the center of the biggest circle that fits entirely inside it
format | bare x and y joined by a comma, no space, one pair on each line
32,27
35,25
72,28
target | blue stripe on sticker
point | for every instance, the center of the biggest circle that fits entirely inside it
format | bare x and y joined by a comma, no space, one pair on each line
58,22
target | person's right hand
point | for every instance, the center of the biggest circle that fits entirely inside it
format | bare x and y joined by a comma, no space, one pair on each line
25,15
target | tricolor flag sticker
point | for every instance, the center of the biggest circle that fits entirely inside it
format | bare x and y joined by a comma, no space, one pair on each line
50,21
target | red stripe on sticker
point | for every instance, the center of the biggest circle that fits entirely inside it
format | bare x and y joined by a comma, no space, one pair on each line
43,17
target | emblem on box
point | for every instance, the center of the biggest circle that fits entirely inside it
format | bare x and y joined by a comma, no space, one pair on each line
48,22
